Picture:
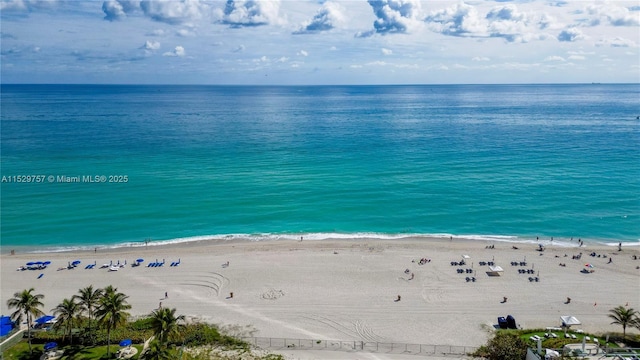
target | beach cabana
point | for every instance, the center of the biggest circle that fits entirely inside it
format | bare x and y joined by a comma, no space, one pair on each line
568,321
495,271
43,321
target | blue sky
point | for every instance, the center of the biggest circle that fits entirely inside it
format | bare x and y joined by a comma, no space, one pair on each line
319,42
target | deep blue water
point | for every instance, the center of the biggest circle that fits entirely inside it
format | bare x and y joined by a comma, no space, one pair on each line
508,161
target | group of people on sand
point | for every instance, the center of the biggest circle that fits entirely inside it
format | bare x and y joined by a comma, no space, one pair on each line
422,261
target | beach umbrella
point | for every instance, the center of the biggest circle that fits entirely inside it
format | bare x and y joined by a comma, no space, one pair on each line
125,342
140,260
588,265
44,319
30,263
38,262
46,263
50,345
76,262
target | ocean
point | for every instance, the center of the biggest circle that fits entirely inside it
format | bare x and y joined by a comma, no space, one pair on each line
108,165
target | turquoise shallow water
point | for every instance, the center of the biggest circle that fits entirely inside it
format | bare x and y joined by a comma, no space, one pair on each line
500,161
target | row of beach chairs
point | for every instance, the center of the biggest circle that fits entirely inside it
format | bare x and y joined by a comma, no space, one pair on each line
518,263
464,271
526,271
483,263
160,264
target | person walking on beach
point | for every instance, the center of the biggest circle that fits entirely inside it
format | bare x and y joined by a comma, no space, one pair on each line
166,295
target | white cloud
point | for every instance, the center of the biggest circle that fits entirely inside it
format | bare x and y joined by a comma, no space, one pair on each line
241,13
554,58
394,16
387,51
156,32
27,5
240,48
617,42
302,53
480,58
505,22
570,35
576,57
174,11
178,51
185,33
118,9
328,17
151,45
612,14
458,20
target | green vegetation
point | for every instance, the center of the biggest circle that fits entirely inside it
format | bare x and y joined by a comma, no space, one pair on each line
111,311
87,322
624,316
513,344
505,345
67,313
26,303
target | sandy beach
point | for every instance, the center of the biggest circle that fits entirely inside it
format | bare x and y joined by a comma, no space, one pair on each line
348,289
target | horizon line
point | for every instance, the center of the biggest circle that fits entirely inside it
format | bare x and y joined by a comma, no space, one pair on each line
310,85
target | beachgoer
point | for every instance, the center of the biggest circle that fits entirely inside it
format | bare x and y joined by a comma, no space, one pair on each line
160,305
610,260
399,298
412,275
504,299
231,295
568,300
166,295
619,246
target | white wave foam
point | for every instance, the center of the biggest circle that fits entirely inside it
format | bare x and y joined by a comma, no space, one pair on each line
330,236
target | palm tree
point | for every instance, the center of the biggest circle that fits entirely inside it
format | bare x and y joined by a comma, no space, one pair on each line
164,323
109,289
111,312
156,351
25,302
88,300
623,316
68,312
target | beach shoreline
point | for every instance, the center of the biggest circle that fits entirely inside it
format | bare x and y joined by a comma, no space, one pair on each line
233,238
347,289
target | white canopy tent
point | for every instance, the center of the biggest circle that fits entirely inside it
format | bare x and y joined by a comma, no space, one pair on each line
568,321
495,271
